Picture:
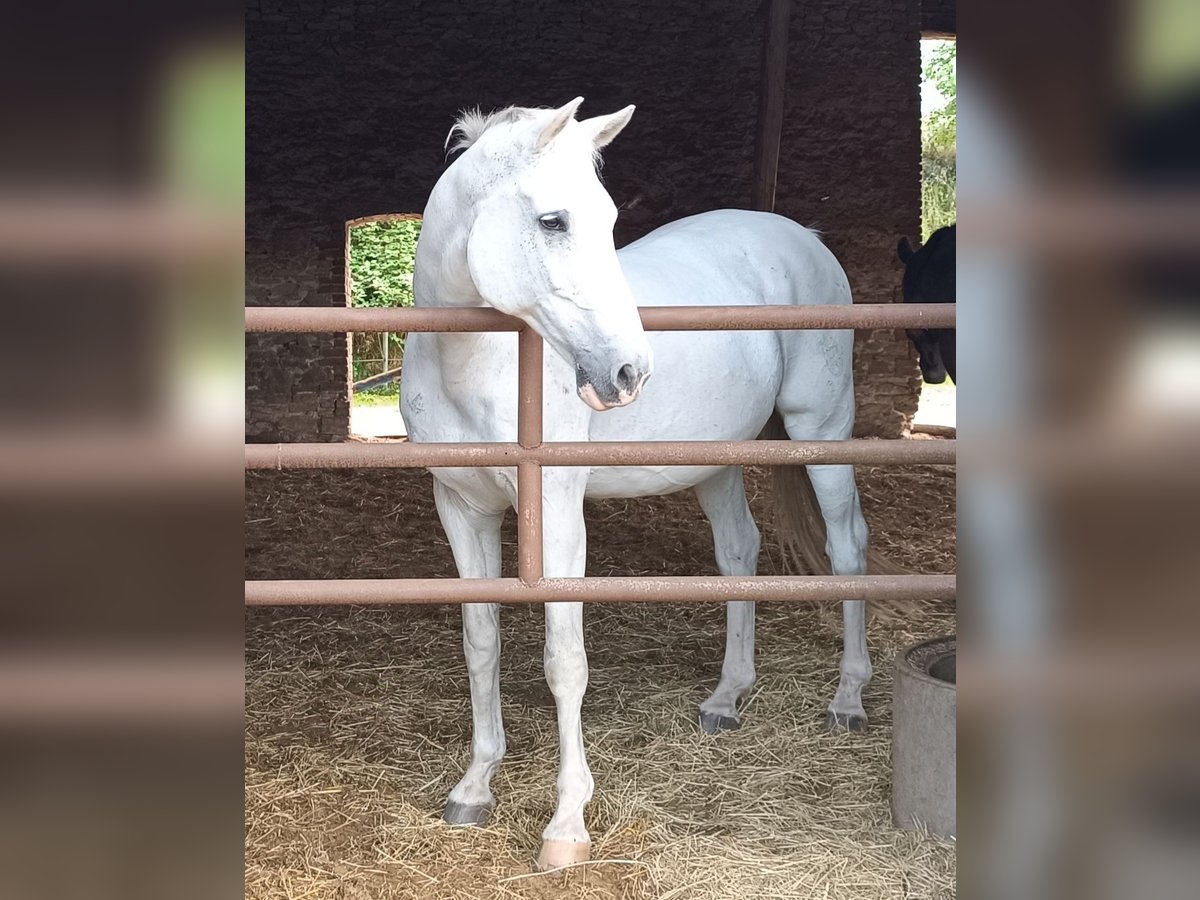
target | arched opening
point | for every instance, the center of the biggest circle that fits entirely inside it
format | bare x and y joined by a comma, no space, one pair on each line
939,183
379,270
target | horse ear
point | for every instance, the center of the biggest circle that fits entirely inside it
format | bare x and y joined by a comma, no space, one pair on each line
905,251
604,128
558,122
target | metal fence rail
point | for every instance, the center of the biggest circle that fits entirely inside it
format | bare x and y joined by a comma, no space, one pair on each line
529,454
300,319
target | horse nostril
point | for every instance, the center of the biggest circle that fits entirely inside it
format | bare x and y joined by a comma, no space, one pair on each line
627,378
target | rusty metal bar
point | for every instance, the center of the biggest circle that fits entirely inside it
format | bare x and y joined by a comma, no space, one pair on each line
786,318
41,227
529,454
376,380
646,589
391,455
654,318
720,453
339,318
529,471
405,455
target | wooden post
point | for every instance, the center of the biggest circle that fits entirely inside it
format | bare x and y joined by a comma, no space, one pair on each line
770,106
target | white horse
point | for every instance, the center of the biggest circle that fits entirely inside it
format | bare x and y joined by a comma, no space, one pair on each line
520,222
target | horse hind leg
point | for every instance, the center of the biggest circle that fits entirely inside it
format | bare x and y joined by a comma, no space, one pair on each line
475,541
846,546
824,358
737,541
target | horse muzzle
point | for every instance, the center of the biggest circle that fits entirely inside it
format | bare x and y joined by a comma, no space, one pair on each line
618,388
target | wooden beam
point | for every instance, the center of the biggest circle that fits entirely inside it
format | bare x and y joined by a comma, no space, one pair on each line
772,92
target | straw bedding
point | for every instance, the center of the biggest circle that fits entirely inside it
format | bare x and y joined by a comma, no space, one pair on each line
358,719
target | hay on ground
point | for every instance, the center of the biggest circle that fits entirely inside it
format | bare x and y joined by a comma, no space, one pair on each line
358,719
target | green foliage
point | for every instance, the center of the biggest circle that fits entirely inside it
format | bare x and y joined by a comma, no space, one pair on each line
939,158
381,272
941,71
939,201
381,262
388,395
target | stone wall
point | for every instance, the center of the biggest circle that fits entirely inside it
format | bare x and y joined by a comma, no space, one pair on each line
939,18
348,104
850,167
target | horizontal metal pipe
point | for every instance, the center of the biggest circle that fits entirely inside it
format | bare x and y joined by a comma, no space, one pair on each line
340,318
760,453
624,590
654,318
407,455
377,380
399,455
773,318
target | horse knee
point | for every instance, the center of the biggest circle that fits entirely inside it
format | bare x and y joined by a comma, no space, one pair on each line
566,674
481,641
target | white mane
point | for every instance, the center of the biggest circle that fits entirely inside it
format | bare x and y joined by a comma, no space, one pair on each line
471,123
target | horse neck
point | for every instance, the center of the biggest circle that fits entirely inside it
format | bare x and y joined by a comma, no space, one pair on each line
441,275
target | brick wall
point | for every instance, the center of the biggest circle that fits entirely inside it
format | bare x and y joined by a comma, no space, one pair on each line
348,103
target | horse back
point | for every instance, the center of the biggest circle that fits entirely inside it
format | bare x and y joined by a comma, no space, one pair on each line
733,257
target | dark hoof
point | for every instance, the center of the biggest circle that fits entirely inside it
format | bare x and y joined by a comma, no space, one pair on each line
713,723
834,722
466,813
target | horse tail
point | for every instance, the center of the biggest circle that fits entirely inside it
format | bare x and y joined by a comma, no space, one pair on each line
799,525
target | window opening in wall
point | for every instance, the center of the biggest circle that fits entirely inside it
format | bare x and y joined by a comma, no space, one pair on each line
939,186
939,114
379,265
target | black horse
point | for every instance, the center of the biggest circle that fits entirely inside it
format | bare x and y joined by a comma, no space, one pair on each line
929,278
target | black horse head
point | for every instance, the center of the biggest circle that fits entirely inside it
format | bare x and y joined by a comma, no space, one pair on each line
929,277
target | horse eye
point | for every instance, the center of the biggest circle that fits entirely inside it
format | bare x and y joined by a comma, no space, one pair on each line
553,222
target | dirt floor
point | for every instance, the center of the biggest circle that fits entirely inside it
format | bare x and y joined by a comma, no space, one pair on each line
358,719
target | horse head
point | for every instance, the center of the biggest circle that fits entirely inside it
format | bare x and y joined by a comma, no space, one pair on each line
540,243
929,278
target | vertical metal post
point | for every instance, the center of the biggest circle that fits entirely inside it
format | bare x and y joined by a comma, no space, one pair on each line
776,18
529,472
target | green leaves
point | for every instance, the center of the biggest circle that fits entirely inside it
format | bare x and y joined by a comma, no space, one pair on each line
381,262
941,69
381,273
939,154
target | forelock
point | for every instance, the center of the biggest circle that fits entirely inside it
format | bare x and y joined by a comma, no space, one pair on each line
472,123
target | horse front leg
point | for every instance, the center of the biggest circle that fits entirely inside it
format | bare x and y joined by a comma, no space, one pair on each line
566,839
475,541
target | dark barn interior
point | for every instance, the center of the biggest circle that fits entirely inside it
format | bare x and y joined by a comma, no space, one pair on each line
348,105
